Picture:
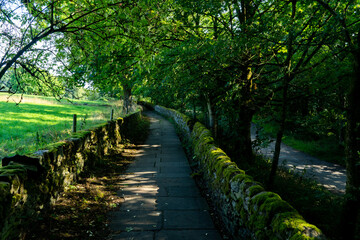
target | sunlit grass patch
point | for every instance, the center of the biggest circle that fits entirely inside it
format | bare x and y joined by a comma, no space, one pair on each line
37,121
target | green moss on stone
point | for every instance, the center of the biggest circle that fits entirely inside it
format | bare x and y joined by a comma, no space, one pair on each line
242,177
220,165
262,197
274,206
294,225
53,147
80,134
265,213
255,189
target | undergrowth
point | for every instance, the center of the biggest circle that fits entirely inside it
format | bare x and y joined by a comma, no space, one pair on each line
317,205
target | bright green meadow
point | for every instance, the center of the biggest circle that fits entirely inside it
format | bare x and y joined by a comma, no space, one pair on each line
38,121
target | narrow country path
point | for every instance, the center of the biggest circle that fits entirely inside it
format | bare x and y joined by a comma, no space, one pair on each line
161,200
331,176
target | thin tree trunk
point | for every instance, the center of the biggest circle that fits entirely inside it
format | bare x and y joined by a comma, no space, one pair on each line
211,116
286,80
279,135
127,98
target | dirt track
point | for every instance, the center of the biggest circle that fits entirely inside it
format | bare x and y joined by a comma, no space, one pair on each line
331,176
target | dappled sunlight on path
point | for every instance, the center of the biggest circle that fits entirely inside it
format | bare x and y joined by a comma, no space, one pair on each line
160,198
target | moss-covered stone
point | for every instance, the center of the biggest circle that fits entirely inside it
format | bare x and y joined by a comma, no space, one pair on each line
293,224
260,198
253,190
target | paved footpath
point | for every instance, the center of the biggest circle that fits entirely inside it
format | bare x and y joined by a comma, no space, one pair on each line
331,176
161,200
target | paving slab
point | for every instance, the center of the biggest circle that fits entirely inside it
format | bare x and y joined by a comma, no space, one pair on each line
187,219
180,181
187,234
138,220
173,164
139,156
182,169
143,169
145,174
176,191
178,154
160,199
129,192
181,203
172,175
132,235
171,158
139,203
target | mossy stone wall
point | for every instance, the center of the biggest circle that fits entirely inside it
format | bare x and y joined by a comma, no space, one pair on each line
29,184
247,210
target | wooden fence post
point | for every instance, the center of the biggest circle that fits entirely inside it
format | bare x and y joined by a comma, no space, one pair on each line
74,124
112,115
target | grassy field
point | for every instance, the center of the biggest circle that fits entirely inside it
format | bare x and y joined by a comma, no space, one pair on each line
38,121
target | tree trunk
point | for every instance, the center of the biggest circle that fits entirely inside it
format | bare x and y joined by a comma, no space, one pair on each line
212,121
210,114
286,80
279,135
127,98
243,146
352,150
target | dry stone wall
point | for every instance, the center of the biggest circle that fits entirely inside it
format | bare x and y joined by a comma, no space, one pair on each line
247,210
29,184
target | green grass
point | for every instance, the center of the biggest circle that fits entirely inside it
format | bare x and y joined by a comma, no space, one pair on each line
38,121
325,148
